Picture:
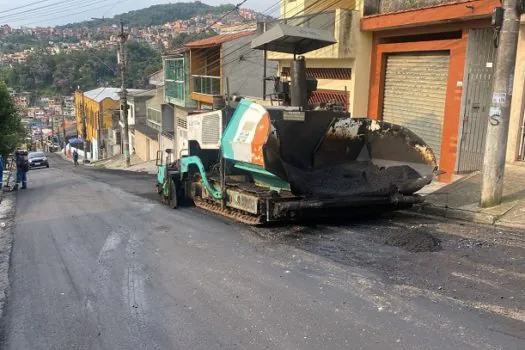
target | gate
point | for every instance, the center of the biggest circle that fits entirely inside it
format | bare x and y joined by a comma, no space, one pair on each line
477,99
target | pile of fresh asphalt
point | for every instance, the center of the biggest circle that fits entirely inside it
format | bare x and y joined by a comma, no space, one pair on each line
352,179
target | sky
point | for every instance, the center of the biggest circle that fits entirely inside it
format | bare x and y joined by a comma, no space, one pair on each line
56,12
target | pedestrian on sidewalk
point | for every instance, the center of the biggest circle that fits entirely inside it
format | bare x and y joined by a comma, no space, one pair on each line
75,157
22,167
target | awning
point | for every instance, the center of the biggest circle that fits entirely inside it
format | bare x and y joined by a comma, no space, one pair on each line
295,40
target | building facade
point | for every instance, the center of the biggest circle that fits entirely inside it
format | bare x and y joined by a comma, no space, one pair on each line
100,108
431,70
342,70
198,76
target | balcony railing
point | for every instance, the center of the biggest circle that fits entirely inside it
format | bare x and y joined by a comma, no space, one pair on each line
206,84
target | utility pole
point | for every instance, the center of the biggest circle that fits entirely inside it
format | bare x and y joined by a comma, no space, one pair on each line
499,114
123,37
53,127
84,127
63,123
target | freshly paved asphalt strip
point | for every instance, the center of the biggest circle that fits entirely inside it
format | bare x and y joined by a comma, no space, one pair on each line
98,264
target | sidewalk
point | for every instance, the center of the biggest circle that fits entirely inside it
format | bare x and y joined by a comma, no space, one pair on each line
460,200
118,163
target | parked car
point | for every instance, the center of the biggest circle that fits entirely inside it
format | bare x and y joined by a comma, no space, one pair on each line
38,159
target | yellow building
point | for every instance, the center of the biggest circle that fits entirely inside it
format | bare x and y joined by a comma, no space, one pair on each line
101,102
102,110
342,69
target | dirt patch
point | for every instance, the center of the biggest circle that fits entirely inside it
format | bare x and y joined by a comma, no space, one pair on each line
415,241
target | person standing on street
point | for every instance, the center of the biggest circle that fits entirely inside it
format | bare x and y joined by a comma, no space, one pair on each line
22,167
75,157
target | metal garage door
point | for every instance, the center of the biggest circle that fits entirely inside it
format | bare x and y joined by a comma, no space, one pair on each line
415,91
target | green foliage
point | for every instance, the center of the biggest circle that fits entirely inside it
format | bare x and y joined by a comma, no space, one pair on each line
45,74
11,129
158,14
18,42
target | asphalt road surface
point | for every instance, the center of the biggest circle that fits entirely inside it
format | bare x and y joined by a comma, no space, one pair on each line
99,263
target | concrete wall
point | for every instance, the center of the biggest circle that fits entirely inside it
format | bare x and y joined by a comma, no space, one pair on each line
346,32
518,98
244,68
360,82
145,148
354,50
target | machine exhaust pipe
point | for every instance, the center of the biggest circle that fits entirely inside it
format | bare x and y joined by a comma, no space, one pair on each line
298,89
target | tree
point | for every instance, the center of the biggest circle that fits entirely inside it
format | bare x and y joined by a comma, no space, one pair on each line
12,131
62,73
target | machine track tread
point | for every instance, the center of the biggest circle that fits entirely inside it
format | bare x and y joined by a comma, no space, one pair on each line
233,214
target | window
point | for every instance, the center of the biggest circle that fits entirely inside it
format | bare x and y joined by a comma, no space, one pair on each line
154,116
174,78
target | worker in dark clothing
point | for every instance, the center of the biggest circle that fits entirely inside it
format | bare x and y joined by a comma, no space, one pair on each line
75,157
22,167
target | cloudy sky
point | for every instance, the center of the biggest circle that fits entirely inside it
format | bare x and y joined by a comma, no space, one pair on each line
54,12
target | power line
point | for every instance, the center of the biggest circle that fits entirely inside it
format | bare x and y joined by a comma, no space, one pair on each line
25,12
248,50
236,8
265,11
52,12
24,6
246,47
76,13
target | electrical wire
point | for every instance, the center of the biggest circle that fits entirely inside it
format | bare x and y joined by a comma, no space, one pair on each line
297,15
76,13
45,7
247,44
24,6
51,15
247,47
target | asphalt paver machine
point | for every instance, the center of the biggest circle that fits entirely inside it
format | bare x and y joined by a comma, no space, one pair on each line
260,164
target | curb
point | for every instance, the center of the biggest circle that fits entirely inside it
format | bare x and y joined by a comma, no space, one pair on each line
457,214
7,215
